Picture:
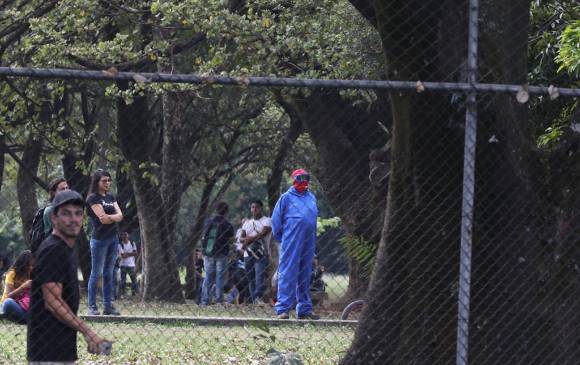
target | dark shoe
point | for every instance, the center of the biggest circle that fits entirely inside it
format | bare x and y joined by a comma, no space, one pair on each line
111,312
283,315
93,311
309,316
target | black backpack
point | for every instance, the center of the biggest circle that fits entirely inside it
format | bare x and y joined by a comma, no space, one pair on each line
210,236
36,235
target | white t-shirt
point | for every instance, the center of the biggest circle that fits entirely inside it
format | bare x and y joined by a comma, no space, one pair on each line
127,248
255,226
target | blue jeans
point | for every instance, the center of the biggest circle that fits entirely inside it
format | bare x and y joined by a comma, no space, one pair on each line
13,311
256,274
215,269
103,256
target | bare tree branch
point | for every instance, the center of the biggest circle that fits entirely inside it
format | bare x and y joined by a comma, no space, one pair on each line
43,184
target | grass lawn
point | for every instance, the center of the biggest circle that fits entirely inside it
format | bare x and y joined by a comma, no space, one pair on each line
138,343
188,343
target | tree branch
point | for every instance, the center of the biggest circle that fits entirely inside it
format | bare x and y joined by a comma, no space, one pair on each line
141,62
43,184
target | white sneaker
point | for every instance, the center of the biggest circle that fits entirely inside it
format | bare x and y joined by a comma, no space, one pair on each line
259,301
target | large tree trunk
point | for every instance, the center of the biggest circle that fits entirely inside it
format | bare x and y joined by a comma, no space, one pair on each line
25,183
524,285
346,136
274,181
159,262
2,158
138,140
77,178
80,182
126,200
194,236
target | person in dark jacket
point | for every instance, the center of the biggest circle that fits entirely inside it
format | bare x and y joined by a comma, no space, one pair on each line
218,234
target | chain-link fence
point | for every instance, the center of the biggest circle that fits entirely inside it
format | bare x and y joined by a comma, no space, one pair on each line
435,219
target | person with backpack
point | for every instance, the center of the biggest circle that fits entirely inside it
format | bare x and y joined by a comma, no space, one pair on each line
218,234
41,224
104,214
128,254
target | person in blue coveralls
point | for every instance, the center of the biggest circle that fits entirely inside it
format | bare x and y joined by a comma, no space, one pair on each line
294,226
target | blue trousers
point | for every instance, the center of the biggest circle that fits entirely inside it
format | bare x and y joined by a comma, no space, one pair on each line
13,311
295,268
103,256
256,274
215,270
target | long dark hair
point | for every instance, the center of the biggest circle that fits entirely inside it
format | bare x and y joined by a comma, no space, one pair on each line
97,175
21,266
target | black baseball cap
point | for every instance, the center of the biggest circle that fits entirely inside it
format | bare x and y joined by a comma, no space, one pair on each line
67,197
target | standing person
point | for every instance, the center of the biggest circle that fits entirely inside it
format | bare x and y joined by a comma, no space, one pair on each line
41,224
16,297
294,225
128,253
104,214
56,186
255,238
218,234
53,323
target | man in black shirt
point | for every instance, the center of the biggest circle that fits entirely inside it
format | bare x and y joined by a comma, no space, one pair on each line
53,324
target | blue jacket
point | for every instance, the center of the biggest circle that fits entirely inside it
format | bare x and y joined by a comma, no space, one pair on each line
293,209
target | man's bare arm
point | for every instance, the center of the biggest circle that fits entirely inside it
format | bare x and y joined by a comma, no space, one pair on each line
53,302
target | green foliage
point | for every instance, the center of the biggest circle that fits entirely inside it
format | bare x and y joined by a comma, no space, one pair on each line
569,55
361,251
11,241
550,137
323,224
550,20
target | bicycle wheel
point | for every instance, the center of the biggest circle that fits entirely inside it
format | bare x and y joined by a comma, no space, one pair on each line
352,308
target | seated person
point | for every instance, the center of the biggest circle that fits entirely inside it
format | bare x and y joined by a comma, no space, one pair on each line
16,297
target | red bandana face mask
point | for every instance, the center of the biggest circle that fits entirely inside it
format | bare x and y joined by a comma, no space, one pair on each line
300,186
301,179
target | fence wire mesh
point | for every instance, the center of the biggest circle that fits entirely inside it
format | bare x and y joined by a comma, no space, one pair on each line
440,142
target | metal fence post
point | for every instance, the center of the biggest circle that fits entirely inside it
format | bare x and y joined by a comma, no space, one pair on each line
464,294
